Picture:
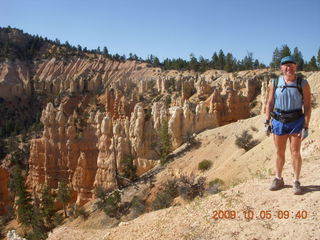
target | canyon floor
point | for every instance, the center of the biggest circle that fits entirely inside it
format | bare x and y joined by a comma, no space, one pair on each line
246,209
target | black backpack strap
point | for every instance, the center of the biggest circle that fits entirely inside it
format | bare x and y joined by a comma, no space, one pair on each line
299,85
275,83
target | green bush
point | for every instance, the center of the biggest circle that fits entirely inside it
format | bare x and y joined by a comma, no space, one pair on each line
165,197
112,202
163,200
204,165
137,206
77,211
186,187
129,169
215,186
245,141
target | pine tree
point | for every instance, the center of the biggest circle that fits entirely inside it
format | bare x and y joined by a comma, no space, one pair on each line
248,61
105,51
23,197
285,51
203,64
64,195
194,65
214,61
221,61
312,65
276,58
229,66
39,230
299,59
156,62
47,207
165,142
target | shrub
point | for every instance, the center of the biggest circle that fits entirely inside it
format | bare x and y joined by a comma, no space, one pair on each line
165,197
163,200
129,169
77,211
204,165
245,141
137,206
112,204
214,186
58,219
189,188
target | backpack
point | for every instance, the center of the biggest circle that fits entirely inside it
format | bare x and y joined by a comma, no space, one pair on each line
299,85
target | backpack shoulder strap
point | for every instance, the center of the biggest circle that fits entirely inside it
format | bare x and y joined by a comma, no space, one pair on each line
299,85
275,83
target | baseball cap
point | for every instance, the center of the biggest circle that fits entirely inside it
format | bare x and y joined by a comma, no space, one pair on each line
288,59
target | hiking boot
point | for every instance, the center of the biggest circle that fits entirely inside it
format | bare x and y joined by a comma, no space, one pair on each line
297,190
277,184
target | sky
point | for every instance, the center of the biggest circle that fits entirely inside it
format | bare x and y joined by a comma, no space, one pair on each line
172,28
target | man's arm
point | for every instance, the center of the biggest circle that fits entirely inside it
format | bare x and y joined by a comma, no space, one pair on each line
270,102
306,104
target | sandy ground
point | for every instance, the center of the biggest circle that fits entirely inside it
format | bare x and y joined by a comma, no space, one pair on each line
276,215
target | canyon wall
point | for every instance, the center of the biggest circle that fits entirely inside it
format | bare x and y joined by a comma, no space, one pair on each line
103,112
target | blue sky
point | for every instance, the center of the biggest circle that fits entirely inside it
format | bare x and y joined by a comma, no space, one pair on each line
173,28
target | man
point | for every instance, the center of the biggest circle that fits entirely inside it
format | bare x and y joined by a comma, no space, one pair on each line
288,95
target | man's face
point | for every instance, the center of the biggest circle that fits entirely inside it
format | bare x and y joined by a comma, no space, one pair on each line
289,69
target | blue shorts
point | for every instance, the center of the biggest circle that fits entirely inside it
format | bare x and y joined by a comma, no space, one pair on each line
279,128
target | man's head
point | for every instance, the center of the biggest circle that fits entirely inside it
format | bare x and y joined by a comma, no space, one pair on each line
288,59
288,66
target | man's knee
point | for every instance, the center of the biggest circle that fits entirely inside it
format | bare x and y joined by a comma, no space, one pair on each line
295,153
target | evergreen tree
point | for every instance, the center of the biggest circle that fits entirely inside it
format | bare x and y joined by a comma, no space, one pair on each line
221,60
203,64
299,59
156,62
312,65
194,65
24,200
105,51
165,142
39,231
64,195
248,61
229,66
256,64
47,207
276,58
215,61
285,51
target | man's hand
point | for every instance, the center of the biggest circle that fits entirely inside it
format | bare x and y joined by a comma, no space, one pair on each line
304,133
267,127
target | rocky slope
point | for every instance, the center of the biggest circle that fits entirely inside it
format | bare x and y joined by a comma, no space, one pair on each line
276,215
